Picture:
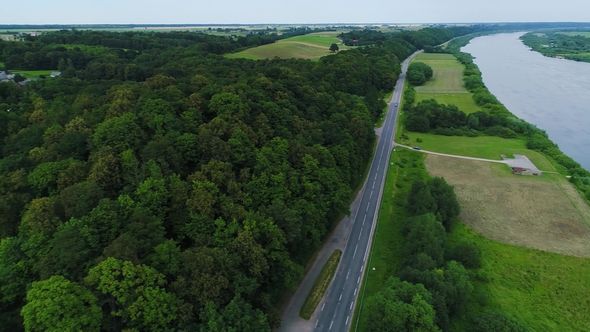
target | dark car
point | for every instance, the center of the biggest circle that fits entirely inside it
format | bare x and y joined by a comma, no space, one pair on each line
416,148
395,104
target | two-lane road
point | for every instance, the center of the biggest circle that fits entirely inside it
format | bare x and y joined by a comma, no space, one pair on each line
337,309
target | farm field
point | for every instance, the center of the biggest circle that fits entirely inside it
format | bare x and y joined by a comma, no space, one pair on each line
488,147
463,101
525,211
312,46
448,74
543,290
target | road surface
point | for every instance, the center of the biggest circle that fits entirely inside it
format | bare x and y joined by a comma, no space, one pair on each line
337,308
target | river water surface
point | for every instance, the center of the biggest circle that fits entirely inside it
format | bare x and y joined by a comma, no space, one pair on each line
553,94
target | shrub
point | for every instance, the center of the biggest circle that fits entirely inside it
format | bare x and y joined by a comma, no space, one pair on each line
467,254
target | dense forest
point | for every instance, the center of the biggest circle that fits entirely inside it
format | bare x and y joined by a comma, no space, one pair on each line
566,44
158,186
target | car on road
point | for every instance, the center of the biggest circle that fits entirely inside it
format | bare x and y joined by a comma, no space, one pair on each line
395,104
416,148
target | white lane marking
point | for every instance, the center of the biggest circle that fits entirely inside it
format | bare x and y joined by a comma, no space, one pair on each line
347,274
323,306
331,325
375,176
364,219
317,322
366,251
340,297
368,206
351,303
373,185
362,268
355,291
347,317
355,248
358,280
360,234
378,166
371,194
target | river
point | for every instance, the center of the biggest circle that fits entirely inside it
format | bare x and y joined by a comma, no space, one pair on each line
553,94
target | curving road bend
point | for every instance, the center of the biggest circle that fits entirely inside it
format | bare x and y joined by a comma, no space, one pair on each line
337,307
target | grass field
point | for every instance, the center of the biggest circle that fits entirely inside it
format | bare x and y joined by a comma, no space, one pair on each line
312,46
387,248
32,73
320,286
320,38
284,50
581,33
542,213
448,74
488,147
463,101
543,290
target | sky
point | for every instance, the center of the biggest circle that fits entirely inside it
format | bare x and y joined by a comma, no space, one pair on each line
290,11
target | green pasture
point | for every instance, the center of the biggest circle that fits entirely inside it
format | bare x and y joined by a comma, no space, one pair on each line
463,101
488,147
285,50
321,38
448,74
543,290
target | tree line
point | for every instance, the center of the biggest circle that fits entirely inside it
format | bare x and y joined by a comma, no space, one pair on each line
165,187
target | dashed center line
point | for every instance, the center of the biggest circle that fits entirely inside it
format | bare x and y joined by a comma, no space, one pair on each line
347,317
323,306
351,303
355,248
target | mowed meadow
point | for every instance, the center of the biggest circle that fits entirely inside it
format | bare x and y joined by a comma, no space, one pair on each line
446,85
312,46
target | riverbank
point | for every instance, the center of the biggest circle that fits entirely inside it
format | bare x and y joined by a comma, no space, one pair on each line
514,281
566,44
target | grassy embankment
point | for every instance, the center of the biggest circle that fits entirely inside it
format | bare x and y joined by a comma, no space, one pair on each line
543,290
312,46
320,286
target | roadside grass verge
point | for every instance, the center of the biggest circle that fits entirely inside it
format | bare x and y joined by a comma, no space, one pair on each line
488,147
544,291
320,286
463,101
387,247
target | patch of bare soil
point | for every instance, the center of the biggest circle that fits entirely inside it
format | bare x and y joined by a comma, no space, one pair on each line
544,214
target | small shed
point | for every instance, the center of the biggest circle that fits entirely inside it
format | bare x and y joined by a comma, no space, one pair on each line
55,74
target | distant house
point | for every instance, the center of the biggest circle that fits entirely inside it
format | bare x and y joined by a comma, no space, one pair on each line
55,74
525,171
3,77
